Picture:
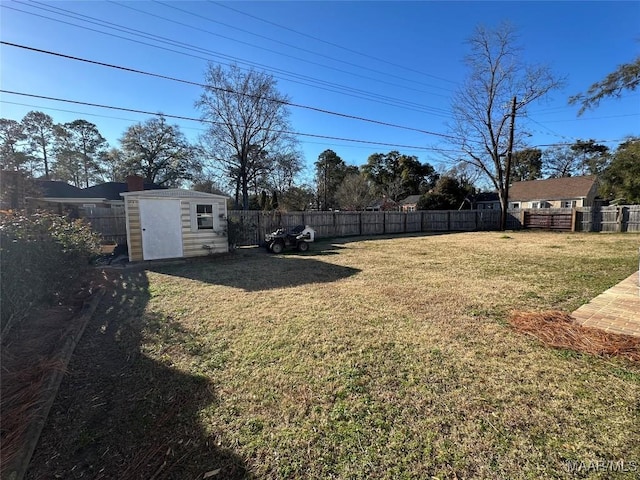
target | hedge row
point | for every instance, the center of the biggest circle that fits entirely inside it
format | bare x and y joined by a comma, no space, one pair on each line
40,255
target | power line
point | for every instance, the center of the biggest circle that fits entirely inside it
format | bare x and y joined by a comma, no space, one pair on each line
224,90
594,118
192,119
289,76
330,43
128,120
209,32
131,121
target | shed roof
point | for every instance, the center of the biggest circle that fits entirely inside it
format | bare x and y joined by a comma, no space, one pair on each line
171,193
552,188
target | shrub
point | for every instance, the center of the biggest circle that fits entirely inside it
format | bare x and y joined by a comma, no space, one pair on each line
40,255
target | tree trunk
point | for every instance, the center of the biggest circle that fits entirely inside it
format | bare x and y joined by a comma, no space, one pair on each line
245,186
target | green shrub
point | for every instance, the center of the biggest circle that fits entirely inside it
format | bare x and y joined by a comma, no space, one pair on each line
40,255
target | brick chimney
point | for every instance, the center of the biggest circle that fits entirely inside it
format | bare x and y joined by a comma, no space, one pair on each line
135,183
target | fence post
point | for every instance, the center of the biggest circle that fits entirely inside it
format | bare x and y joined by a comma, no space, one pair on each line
384,223
619,215
573,219
406,214
448,220
334,234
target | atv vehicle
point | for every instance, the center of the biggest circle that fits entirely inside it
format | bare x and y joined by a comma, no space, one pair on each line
298,237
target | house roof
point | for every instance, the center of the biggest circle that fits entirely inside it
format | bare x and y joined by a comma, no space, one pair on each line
486,197
171,193
381,202
112,190
104,191
552,188
410,200
56,189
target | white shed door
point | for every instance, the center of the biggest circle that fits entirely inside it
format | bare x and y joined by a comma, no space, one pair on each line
161,228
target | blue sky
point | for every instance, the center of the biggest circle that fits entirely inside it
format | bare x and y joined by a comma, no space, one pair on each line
406,58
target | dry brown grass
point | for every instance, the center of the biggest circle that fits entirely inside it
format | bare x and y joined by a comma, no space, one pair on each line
393,358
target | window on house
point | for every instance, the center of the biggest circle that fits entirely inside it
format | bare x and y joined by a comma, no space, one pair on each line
535,204
515,205
568,203
204,216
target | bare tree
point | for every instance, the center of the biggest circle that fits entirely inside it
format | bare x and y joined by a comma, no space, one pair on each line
561,161
354,193
499,87
246,115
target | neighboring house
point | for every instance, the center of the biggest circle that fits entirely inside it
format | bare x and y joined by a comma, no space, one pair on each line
485,201
410,204
383,204
60,196
565,192
175,223
55,195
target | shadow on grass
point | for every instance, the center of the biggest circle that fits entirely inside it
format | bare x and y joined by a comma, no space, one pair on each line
259,270
120,414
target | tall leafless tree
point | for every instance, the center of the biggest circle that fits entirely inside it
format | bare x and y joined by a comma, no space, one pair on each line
245,114
498,89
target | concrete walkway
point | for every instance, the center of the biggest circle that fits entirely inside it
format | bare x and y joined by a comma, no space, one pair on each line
616,310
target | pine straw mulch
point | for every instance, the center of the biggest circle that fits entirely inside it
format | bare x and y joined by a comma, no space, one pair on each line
560,330
29,358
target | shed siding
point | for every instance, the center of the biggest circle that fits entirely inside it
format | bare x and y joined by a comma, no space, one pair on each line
192,242
135,231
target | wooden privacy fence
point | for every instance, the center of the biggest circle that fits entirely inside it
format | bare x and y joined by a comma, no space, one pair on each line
253,225
110,223
617,218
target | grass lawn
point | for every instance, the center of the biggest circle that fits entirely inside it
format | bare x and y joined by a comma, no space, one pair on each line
374,358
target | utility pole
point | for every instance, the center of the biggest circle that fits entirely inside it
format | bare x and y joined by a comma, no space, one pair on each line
507,168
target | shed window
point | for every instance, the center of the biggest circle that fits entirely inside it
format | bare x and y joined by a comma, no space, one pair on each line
202,216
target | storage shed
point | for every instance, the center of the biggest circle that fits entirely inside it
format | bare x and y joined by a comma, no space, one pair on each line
175,223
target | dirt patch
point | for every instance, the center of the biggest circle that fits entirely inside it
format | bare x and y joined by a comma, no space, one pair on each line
560,330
